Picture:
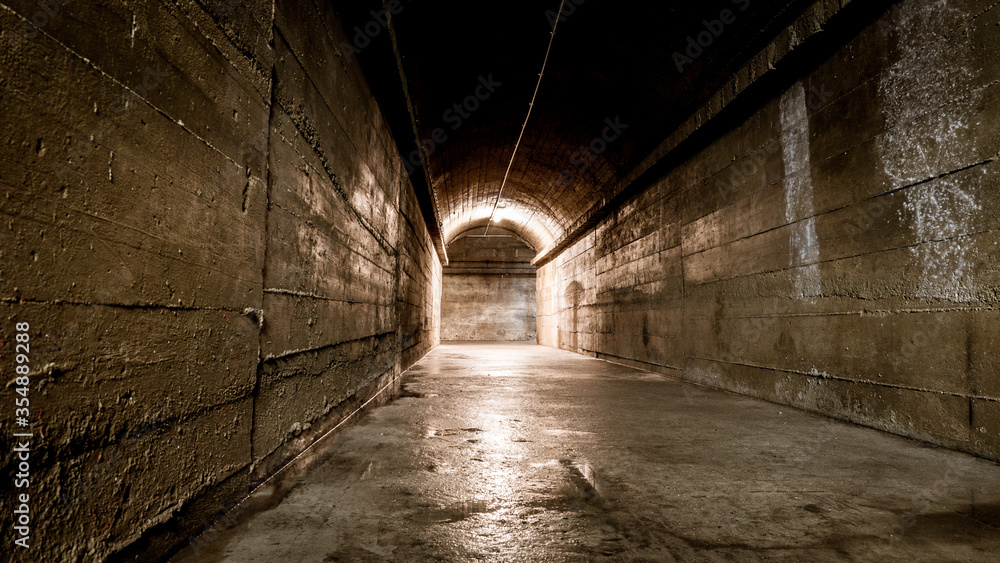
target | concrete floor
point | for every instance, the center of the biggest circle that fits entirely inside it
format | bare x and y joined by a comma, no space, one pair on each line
525,453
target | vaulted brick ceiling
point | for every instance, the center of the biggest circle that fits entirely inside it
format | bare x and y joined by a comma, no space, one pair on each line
612,91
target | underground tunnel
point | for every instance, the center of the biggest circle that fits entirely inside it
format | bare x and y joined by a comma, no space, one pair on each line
569,280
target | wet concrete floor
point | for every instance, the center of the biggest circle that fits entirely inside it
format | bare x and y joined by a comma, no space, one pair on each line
525,453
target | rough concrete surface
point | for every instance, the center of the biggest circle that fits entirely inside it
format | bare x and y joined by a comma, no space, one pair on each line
488,289
497,307
835,251
526,453
206,221
208,228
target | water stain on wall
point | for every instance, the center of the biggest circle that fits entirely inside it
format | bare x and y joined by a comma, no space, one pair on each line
803,243
923,143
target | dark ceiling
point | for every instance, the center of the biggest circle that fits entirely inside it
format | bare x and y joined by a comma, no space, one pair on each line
611,62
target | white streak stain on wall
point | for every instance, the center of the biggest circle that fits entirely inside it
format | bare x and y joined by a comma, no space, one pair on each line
803,244
923,143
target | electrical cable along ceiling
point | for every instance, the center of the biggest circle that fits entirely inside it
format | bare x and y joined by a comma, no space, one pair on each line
458,79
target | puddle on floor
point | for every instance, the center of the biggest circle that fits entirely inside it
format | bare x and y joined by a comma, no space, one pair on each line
445,432
406,393
454,513
561,432
584,482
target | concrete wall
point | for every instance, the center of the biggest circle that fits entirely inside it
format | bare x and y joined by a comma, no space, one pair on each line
488,307
489,289
208,228
836,251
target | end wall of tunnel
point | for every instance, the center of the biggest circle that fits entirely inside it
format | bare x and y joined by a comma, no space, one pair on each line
488,289
216,246
836,251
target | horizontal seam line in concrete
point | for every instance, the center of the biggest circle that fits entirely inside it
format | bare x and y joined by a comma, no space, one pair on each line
168,256
828,377
861,84
610,358
990,7
141,306
250,60
292,292
326,103
835,209
928,180
901,125
653,234
334,181
868,313
370,229
838,259
831,157
722,98
393,380
160,426
340,56
321,154
832,260
290,353
350,247
780,180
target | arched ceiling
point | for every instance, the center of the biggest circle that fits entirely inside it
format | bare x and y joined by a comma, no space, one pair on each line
611,93
499,245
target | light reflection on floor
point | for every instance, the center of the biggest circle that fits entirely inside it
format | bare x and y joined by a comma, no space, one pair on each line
523,453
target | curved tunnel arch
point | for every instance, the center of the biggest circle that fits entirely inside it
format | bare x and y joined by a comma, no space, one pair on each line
536,229
495,229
